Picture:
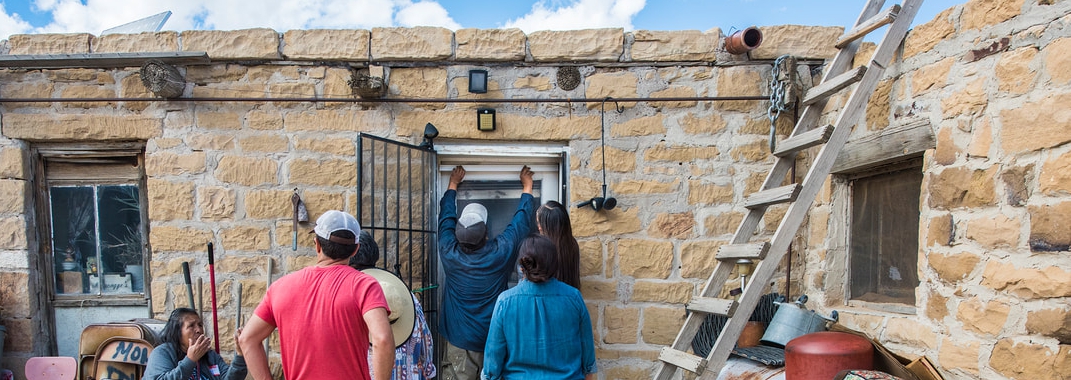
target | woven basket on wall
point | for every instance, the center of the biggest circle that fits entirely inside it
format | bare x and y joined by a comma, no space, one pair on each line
162,79
368,87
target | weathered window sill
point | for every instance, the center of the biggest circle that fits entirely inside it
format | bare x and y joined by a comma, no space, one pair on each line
95,300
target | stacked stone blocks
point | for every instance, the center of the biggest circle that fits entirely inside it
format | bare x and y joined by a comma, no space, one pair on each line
993,228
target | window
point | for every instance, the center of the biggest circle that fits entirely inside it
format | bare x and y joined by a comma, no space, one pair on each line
95,214
93,225
883,233
96,238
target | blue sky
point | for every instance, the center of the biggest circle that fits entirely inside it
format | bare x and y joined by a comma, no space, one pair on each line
93,16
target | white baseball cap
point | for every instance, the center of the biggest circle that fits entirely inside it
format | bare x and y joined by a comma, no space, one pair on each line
472,214
471,231
333,221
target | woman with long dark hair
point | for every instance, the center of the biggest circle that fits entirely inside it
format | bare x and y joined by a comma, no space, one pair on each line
540,328
185,352
553,221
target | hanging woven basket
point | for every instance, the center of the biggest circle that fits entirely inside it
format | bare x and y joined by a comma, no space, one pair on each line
162,79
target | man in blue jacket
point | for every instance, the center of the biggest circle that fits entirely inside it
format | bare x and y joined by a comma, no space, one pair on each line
477,271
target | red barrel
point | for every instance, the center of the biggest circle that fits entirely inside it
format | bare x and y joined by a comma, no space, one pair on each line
820,355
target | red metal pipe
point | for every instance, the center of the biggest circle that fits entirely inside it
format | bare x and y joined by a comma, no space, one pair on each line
743,41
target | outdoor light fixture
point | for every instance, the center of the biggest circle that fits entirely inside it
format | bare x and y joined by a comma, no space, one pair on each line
604,202
485,119
478,81
430,133
743,268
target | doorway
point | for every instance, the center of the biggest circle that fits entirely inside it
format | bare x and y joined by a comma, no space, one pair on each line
399,187
492,179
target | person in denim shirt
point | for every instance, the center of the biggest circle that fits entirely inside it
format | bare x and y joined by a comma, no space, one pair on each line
540,328
477,271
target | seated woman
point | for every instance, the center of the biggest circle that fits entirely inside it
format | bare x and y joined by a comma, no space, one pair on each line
185,352
540,328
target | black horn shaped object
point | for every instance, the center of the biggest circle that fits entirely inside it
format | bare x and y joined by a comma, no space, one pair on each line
604,202
599,203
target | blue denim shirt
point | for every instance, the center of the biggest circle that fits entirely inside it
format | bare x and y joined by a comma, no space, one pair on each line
539,331
475,279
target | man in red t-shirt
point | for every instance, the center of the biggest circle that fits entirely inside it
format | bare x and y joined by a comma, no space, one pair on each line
328,310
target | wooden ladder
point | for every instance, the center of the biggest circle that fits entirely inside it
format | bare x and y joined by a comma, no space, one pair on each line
799,196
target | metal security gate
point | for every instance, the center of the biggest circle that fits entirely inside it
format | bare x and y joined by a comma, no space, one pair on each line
396,203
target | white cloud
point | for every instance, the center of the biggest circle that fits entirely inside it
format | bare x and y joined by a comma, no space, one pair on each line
582,14
11,24
425,13
93,16
71,16
280,15
360,14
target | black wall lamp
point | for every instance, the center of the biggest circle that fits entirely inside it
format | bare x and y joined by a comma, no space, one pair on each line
604,202
430,133
485,119
478,81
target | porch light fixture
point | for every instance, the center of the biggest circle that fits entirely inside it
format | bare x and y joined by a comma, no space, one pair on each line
430,133
604,202
485,119
478,81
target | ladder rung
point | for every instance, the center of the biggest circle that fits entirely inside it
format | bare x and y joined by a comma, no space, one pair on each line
753,251
710,305
879,20
683,360
833,85
804,140
775,195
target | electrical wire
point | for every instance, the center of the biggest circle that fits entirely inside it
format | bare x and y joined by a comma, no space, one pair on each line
380,100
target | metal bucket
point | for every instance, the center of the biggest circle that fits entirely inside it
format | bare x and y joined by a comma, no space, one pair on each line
793,320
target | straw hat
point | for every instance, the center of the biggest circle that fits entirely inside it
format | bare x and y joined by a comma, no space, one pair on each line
402,311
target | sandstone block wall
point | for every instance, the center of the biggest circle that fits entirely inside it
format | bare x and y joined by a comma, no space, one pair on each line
993,302
224,171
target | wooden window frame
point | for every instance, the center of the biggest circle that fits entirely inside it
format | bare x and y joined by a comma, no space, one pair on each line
904,143
79,154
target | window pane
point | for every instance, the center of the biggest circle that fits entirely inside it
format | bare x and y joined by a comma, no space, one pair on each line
884,237
74,243
96,239
120,235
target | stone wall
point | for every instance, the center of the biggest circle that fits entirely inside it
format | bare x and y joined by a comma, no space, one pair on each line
224,171
995,295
